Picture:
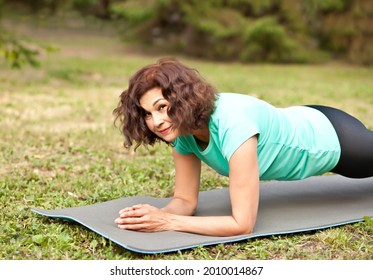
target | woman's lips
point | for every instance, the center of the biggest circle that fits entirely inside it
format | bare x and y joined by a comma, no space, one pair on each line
164,131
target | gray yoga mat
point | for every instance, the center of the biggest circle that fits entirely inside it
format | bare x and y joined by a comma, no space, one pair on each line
285,207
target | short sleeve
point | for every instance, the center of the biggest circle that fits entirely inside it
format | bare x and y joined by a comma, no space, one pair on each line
182,145
232,136
234,122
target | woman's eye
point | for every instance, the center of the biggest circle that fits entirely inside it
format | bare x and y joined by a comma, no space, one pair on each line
161,107
147,115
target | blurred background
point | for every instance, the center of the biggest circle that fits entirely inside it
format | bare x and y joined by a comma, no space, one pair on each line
275,31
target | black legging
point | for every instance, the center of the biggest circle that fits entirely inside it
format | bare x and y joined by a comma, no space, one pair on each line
356,142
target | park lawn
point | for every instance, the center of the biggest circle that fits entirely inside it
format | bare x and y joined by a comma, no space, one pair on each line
59,148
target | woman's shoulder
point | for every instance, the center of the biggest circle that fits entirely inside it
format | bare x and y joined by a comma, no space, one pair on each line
234,108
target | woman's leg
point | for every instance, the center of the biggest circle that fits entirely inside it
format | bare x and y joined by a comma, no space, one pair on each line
356,142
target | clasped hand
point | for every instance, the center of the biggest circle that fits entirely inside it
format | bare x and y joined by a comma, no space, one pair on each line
143,217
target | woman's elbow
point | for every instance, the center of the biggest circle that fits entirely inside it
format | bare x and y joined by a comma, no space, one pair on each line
247,231
244,229
190,208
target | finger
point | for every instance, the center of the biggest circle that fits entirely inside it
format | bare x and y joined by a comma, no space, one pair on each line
134,207
142,222
137,224
131,214
143,227
127,220
127,209
136,212
135,227
138,206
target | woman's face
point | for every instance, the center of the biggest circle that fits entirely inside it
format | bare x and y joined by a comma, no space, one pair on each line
156,117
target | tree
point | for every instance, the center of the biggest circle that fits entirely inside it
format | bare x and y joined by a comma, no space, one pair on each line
253,30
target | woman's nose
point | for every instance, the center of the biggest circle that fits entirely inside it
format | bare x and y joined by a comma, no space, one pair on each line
158,119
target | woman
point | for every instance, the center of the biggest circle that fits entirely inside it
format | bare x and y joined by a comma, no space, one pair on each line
237,135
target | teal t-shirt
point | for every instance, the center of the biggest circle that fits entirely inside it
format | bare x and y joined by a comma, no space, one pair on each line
293,143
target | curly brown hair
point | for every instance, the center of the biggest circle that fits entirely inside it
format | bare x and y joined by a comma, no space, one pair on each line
191,100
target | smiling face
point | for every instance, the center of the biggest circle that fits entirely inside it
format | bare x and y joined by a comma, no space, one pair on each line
156,116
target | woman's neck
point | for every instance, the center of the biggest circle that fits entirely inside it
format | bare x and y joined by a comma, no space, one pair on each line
202,137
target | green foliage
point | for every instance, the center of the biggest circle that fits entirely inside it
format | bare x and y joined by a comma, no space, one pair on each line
215,29
252,30
16,52
343,28
267,40
327,5
21,52
218,22
83,5
134,11
56,7
280,31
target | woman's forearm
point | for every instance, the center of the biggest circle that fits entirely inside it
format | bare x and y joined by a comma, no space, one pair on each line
147,218
181,219
212,225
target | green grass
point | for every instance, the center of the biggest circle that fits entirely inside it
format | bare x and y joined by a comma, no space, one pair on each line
59,148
